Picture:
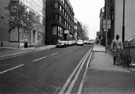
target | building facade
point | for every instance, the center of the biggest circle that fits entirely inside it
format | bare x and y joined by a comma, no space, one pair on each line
34,34
59,21
129,18
122,18
108,16
101,33
79,30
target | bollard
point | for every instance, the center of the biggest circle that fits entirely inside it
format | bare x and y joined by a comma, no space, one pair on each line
26,44
1,44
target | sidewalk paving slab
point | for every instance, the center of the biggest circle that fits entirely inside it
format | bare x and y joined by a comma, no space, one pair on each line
98,48
105,78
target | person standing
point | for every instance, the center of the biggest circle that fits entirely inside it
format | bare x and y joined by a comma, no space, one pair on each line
117,47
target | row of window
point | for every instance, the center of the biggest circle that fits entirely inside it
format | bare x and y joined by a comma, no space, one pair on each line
57,30
67,4
36,7
61,20
63,11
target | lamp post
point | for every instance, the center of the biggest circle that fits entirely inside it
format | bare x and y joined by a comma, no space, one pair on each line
106,25
123,23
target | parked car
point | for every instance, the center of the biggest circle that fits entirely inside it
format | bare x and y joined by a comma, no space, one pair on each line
80,42
71,42
86,42
61,43
92,41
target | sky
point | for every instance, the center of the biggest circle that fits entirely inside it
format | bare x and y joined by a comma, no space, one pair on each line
87,12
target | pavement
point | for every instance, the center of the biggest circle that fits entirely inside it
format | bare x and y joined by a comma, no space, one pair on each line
105,78
6,52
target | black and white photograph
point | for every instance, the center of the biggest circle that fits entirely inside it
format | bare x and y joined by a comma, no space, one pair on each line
67,46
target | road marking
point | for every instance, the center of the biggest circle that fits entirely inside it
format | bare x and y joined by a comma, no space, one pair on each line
39,59
54,54
76,76
11,69
72,75
84,75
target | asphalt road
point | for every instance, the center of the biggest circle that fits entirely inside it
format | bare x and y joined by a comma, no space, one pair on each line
43,72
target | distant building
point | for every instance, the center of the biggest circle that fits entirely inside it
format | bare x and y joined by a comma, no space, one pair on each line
101,34
80,31
59,21
34,35
109,14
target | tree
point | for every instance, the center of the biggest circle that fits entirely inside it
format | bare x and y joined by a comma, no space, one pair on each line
19,16
85,31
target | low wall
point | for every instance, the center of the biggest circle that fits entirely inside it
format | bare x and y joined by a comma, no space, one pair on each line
10,44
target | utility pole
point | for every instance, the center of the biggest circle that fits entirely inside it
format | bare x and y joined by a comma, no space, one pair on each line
106,25
123,23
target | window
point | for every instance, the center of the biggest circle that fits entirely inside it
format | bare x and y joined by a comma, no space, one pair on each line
60,19
56,5
63,21
60,8
54,32
63,11
56,16
60,31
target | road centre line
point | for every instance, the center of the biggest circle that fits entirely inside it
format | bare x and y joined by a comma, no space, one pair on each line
72,74
39,59
84,75
11,69
54,54
76,76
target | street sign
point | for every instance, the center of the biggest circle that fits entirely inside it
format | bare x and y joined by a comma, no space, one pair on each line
106,24
105,29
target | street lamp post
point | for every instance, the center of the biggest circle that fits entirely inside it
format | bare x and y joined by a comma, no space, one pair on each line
106,26
123,24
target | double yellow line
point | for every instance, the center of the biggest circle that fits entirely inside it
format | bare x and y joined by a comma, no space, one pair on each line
68,86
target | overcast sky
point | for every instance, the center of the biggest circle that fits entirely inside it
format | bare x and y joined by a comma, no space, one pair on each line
87,12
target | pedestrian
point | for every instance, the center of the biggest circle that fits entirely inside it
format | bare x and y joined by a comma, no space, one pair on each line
117,47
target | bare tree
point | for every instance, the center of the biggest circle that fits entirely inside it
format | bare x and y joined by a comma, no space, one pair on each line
85,31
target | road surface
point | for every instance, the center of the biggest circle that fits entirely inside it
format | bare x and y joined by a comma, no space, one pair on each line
44,72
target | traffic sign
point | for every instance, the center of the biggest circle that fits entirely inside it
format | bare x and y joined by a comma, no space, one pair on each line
106,24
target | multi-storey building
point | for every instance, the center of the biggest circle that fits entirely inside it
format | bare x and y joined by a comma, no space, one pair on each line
80,33
34,34
127,16
59,21
109,15
122,18
101,33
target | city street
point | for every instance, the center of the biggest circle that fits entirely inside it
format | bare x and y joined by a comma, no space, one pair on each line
44,72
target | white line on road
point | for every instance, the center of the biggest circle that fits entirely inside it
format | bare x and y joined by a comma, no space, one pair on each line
84,75
39,59
76,76
72,75
11,69
54,54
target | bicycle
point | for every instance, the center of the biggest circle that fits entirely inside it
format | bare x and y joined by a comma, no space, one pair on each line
117,56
